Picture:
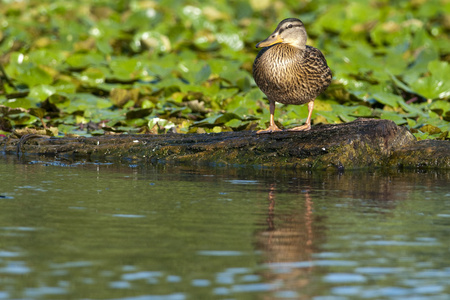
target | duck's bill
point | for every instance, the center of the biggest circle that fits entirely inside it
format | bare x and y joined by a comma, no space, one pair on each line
270,41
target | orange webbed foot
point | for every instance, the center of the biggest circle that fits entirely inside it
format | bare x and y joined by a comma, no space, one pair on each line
270,129
305,127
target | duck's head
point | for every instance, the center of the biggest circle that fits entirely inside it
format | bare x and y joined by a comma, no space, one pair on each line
290,31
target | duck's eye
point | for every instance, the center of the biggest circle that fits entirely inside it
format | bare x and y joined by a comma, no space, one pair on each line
290,26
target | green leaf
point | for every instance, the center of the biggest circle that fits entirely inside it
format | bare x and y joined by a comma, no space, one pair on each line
124,68
361,111
393,116
247,104
92,76
330,116
24,103
388,99
70,56
60,101
436,86
235,123
47,57
442,108
34,76
42,92
38,112
104,47
83,60
153,40
87,103
430,129
203,74
343,112
218,119
138,113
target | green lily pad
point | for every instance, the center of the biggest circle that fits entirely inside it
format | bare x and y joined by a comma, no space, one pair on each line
69,57
218,119
38,112
388,99
86,102
125,69
442,108
42,92
430,129
83,60
34,76
436,86
203,74
235,123
92,76
138,113
393,116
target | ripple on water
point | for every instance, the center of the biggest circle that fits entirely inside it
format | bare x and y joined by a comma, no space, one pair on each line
237,181
4,253
390,291
430,289
227,276
254,287
141,275
347,290
72,264
431,273
219,253
344,278
379,270
44,290
286,267
173,278
119,284
15,267
176,296
200,282
128,216
400,243
18,228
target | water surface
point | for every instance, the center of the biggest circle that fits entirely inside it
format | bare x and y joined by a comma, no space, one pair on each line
107,231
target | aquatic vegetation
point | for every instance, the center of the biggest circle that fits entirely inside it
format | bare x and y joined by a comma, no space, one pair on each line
185,66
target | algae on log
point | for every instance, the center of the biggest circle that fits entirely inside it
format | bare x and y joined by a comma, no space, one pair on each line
359,144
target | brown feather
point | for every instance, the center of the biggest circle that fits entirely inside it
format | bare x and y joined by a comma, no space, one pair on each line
291,75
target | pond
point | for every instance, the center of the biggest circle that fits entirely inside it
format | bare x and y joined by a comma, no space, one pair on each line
85,230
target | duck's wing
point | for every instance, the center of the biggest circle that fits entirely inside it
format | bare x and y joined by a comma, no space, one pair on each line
316,64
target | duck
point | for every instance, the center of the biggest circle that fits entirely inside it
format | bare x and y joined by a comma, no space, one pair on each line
288,71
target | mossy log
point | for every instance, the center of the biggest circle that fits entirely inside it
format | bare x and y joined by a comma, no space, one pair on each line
364,143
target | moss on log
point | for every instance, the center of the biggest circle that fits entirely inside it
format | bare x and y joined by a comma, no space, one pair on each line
363,143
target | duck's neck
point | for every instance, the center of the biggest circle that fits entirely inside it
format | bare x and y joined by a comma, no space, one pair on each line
298,44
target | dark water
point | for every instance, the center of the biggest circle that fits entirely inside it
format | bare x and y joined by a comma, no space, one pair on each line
102,231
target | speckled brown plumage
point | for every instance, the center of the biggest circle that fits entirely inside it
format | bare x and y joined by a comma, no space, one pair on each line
290,75
290,72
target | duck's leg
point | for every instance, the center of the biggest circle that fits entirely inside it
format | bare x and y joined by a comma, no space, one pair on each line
272,127
307,125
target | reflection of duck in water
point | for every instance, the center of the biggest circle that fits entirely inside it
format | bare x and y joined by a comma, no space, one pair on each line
290,72
288,239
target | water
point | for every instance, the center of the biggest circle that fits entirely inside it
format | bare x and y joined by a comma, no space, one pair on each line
108,231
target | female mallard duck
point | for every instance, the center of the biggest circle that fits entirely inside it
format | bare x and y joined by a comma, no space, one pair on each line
290,72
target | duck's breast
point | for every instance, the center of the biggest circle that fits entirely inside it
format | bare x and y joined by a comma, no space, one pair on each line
290,75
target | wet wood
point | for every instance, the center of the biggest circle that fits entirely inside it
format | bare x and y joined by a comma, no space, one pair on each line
364,143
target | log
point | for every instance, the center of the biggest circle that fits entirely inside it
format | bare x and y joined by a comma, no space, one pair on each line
363,143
